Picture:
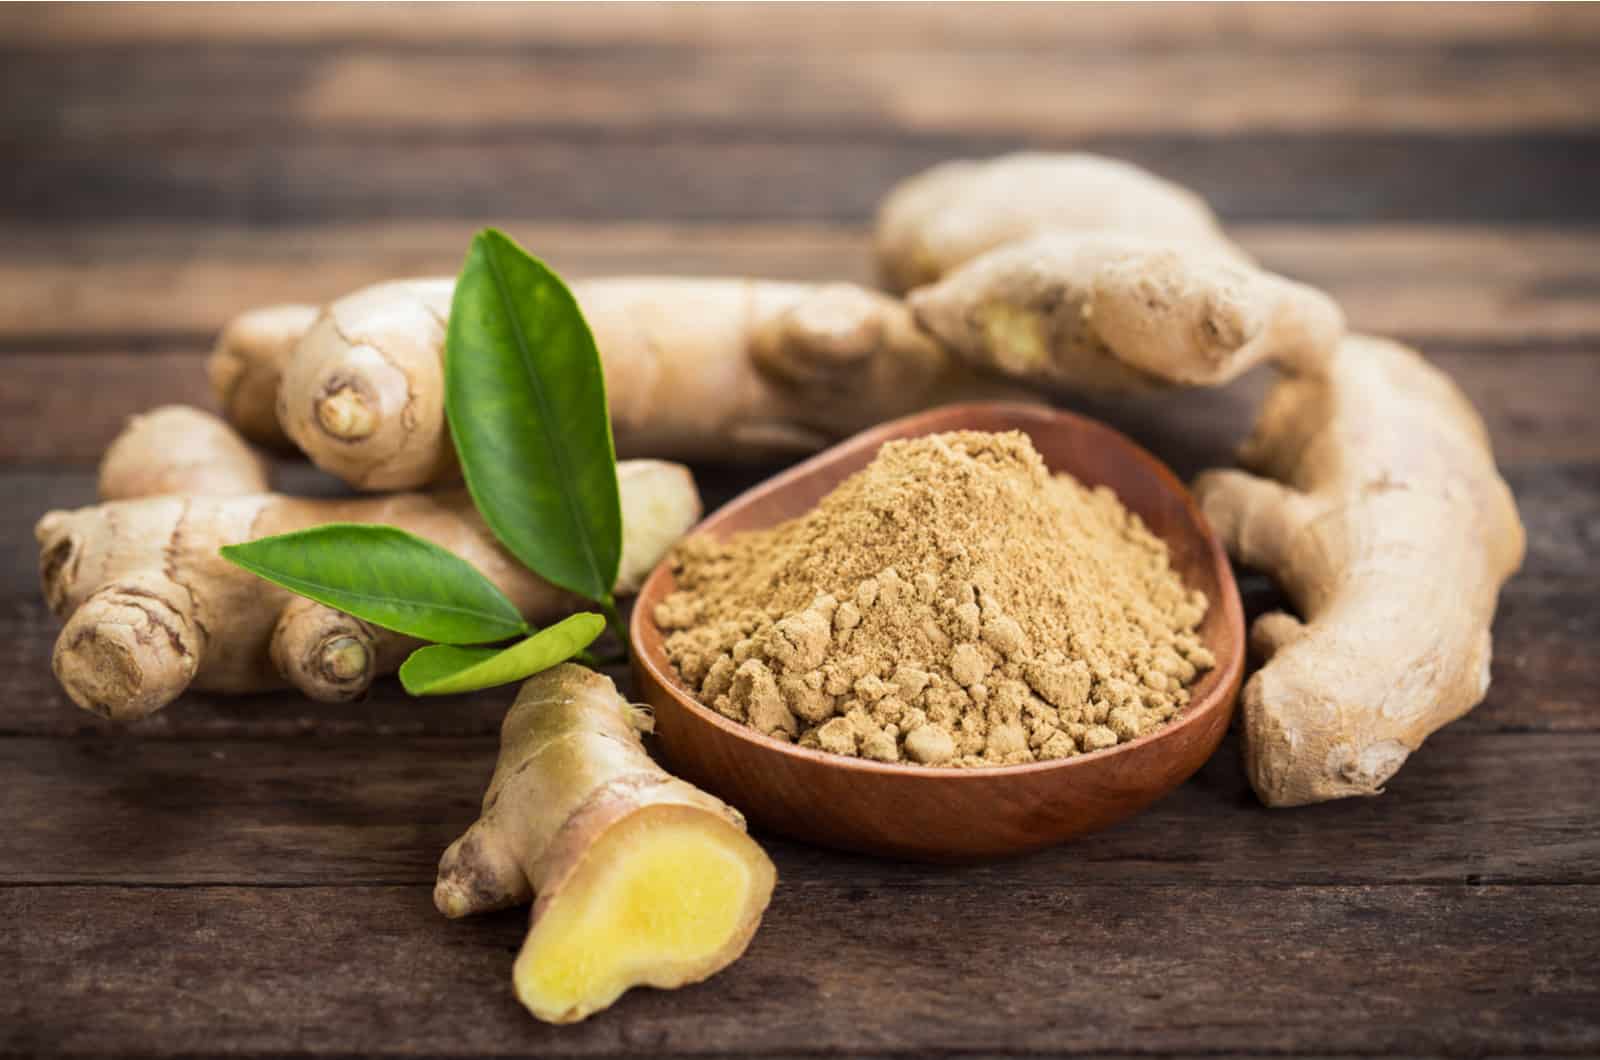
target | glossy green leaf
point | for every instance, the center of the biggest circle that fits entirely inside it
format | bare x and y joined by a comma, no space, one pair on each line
387,577
441,669
526,402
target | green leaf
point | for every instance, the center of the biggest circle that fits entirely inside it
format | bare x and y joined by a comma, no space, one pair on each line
385,576
526,402
440,669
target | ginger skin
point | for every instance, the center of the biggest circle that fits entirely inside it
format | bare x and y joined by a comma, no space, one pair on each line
247,364
177,449
642,879
935,222
696,369
1384,520
1120,313
362,392
1078,273
151,609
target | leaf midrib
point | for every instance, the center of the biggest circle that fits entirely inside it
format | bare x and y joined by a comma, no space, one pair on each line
559,452
355,594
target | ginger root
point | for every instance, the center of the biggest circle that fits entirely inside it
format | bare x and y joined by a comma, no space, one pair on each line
1120,313
177,449
1073,272
362,392
151,608
942,218
642,879
247,364
696,369
1384,520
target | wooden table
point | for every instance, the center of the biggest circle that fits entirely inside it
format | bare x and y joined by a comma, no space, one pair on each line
253,875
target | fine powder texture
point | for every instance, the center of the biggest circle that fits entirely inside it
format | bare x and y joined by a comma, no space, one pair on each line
952,603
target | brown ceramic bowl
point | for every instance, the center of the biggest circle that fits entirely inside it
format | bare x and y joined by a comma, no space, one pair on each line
955,814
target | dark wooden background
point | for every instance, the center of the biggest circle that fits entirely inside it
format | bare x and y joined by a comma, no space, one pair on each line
253,875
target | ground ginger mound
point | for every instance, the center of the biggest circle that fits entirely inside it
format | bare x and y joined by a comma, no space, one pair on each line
952,603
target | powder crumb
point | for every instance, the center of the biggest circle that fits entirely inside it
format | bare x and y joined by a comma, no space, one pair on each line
953,603
929,745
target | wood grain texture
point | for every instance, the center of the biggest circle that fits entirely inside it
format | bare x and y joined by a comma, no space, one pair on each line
871,27
1063,88
1104,969
696,173
375,807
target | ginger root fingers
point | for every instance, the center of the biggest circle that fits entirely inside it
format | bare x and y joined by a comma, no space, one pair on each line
713,369
246,367
935,222
1384,520
151,608
1124,314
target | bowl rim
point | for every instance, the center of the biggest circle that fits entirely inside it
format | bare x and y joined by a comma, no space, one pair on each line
1229,671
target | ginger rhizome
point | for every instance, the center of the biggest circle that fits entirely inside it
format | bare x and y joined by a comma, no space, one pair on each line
362,392
151,609
1120,313
247,364
931,224
713,369
641,878
1072,272
1382,517
953,603
176,449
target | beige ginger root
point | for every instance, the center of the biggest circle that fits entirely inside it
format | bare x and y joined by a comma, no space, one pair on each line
1384,520
1120,313
151,608
1074,272
642,879
942,218
177,449
247,364
362,392
716,369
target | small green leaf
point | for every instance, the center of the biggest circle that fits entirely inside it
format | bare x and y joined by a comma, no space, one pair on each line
526,401
441,669
385,576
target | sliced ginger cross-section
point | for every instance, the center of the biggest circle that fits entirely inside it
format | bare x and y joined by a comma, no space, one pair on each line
662,898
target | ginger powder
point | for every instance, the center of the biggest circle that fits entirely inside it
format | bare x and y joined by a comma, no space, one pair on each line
953,603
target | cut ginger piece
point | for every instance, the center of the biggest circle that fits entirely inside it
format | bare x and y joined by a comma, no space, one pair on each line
642,879
663,898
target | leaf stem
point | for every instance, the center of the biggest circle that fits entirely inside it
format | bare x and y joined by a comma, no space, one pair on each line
608,607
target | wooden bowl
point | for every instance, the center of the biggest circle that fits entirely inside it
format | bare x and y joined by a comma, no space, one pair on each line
955,814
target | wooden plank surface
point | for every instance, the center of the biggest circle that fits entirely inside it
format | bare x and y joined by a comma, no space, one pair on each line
306,809
1041,969
251,875
871,27
688,172
919,88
